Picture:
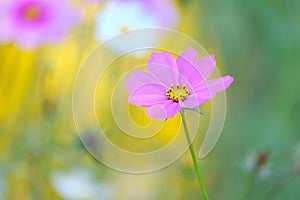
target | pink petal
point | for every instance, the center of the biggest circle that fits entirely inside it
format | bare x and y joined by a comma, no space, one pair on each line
137,79
164,110
187,67
214,86
206,91
148,95
164,74
190,55
193,101
206,66
29,40
163,58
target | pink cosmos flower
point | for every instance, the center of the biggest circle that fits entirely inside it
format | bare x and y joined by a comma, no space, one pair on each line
33,22
174,84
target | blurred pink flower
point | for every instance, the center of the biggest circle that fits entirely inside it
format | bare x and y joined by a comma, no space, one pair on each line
174,84
33,22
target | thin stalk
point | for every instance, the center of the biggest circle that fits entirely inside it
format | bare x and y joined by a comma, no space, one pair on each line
194,157
249,186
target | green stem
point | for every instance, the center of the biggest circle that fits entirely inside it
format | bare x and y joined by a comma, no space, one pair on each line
195,162
195,110
249,186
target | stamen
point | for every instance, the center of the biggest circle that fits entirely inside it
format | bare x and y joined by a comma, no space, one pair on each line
32,13
177,93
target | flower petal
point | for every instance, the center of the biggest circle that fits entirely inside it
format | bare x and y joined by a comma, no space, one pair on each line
148,95
166,75
186,63
6,30
137,79
190,55
164,110
206,66
206,91
190,102
212,87
163,58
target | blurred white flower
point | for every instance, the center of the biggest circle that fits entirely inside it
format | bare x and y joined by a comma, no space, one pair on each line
94,1
79,184
258,163
133,187
121,16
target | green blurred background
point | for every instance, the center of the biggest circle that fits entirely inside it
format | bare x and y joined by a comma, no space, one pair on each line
257,156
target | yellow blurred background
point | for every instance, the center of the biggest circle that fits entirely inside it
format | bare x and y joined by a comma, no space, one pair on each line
256,42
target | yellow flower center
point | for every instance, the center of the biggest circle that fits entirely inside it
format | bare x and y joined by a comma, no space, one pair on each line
177,92
32,13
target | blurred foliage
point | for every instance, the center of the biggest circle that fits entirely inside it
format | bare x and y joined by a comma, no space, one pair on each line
257,42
